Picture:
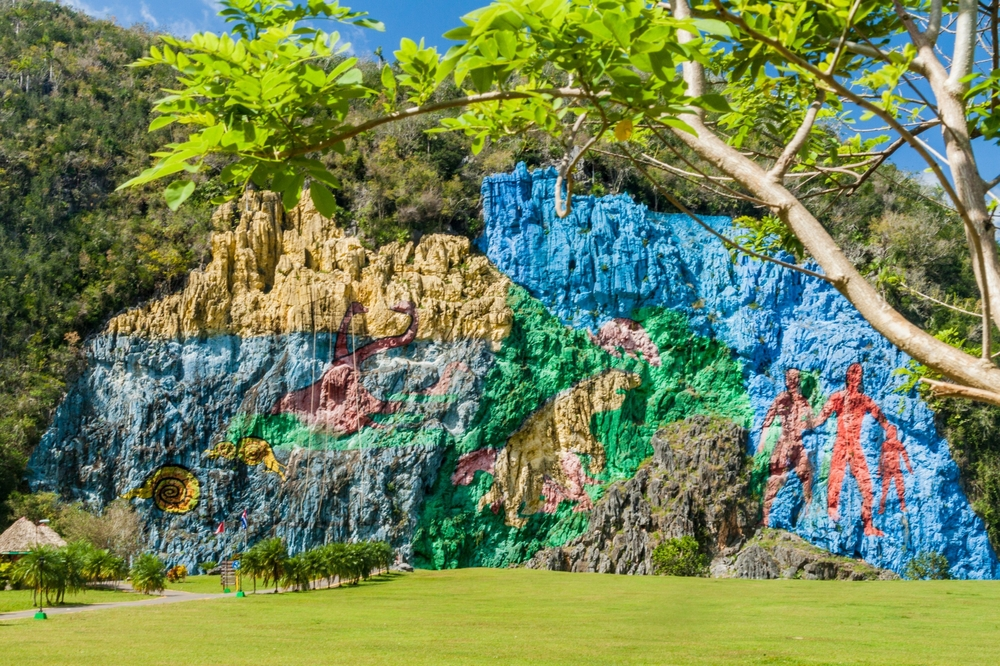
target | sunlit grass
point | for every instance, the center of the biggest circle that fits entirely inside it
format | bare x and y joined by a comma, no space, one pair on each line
532,617
19,600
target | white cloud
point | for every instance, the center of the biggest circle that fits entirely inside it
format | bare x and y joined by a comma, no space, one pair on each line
147,15
182,28
81,6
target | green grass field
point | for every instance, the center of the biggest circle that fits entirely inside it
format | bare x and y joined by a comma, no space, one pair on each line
530,617
198,584
19,600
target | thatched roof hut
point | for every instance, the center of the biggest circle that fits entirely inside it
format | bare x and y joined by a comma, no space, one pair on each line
24,536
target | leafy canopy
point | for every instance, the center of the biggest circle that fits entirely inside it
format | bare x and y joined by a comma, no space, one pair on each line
277,90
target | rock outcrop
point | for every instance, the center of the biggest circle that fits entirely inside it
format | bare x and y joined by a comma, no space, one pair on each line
780,554
277,272
696,484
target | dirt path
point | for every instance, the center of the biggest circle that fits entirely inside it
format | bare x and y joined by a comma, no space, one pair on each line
167,597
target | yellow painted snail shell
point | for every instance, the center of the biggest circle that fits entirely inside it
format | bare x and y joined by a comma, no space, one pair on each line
173,489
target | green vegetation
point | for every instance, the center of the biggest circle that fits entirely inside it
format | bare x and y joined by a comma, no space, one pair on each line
116,529
537,617
21,600
349,562
148,574
928,566
50,572
680,557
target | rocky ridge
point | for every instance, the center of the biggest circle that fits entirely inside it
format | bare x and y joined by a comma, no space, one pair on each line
696,484
780,554
278,272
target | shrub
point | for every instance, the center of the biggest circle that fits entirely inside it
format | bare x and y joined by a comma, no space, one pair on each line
680,557
207,566
928,566
148,574
177,574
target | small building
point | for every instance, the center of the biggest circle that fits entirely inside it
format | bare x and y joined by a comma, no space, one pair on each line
24,536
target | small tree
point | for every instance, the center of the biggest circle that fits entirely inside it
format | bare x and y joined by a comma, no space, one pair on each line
75,561
148,574
42,570
297,572
251,567
680,557
273,555
928,566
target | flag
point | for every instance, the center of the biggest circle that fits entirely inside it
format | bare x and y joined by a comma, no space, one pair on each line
221,528
243,519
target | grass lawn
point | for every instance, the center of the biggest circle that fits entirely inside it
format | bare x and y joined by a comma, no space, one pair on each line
19,600
198,584
535,617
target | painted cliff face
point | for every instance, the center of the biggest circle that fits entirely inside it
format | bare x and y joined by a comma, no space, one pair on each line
472,409
843,457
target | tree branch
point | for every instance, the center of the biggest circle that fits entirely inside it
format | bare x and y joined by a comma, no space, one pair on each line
963,55
948,390
933,23
430,108
784,160
911,339
707,227
934,300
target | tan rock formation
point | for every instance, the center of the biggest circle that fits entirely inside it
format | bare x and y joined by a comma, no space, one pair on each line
277,272
540,459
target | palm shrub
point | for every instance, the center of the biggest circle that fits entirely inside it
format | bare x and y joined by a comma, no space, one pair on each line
75,563
384,555
148,574
41,570
296,573
208,566
315,563
273,556
334,562
103,566
680,557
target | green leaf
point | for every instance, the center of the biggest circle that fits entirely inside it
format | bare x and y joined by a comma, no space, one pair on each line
161,121
177,193
292,193
388,78
714,27
713,102
323,199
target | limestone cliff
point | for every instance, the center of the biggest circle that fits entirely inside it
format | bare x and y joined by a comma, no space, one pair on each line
275,273
474,410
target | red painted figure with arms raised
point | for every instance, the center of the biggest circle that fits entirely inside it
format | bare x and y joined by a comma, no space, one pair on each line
851,405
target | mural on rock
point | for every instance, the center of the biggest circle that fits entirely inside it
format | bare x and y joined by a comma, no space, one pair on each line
817,438
473,408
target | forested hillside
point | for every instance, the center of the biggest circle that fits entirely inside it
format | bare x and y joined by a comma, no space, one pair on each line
73,121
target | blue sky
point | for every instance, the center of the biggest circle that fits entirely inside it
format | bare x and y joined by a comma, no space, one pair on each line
402,19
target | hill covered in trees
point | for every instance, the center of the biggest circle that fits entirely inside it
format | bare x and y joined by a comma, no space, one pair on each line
73,121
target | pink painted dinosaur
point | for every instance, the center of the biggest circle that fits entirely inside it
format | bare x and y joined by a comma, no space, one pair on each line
339,401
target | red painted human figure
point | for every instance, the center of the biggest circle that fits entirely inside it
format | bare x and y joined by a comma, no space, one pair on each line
851,405
338,400
789,453
889,469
